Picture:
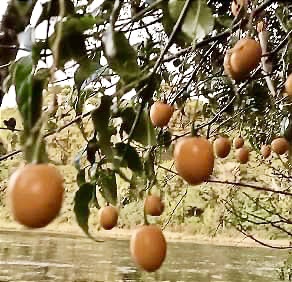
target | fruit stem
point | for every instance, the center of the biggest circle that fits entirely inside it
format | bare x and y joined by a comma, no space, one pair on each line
146,222
36,158
194,131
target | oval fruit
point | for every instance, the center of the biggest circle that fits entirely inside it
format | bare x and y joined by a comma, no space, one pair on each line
148,247
108,217
266,151
238,142
161,113
288,85
242,155
153,205
194,159
35,194
280,145
222,147
244,57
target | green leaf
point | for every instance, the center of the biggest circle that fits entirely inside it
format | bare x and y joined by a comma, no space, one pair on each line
121,56
225,21
199,20
165,138
81,205
100,118
149,165
29,88
84,71
79,24
52,9
144,132
72,35
129,157
101,115
80,179
108,185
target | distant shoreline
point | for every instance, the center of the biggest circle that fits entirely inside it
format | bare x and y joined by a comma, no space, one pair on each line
125,234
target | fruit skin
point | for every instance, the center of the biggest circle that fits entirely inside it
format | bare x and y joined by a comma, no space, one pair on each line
35,194
194,159
244,57
108,217
161,113
148,247
153,205
238,142
288,85
266,151
280,145
242,155
222,147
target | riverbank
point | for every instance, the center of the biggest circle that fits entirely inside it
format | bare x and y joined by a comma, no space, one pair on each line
237,240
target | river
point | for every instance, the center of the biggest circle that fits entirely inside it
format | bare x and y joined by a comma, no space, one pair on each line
42,257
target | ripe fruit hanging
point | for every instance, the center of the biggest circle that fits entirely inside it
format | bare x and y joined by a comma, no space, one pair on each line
35,194
280,145
161,113
244,57
153,205
242,155
108,217
194,159
266,151
238,142
148,247
237,5
222,147
288,85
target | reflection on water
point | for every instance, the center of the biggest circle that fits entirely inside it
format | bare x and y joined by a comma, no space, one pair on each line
38,257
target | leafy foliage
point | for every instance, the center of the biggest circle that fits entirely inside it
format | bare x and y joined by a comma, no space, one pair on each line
126,55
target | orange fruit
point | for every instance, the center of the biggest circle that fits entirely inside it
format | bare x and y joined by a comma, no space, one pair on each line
153,205
222,147
266,151
244,57
148,247
238,142
108,217
161,113
242,155
35,194
288,85
280,145
194,159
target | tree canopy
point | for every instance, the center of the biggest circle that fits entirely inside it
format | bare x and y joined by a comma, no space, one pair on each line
231,64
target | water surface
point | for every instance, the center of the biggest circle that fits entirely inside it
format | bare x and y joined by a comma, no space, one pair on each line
39,257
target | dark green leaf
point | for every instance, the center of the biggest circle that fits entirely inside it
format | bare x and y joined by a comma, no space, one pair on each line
108,185
100,119
52,9
81,177
129,157
144,131
72,35
81,205
121,56
101,115
84,71
197,23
